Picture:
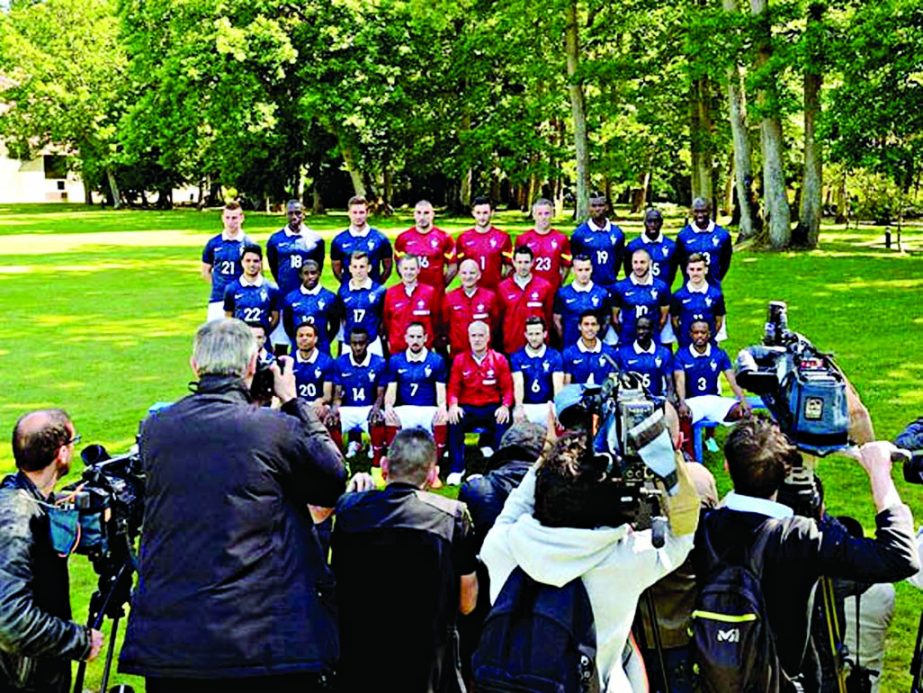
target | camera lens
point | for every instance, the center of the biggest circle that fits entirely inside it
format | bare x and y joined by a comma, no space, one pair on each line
913,468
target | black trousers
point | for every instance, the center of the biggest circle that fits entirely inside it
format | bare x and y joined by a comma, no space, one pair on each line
283,683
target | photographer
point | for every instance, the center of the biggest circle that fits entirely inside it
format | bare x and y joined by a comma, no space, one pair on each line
797,549
234,593
37,637
554,527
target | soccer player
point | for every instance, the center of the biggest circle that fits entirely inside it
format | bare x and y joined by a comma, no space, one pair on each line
538,375
407,302
487,245
661,249
416,391
637,295
696,369
479,395
358,395
601,241
261,337
550,247
652,361
311,303
581,295
252,297
696,300
361,301
590,360
467,304
432,245
221,257
705,237
361,236
520,296
314,370
289,247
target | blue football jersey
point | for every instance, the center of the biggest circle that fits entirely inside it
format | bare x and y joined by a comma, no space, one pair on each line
224,256
319,308
360,382
569,303
361,308
702,370
663,257
286,253
311,375
416,380
375,243
690,306
716,245
252,303
637,301
537,383
654,367
584,365
604,248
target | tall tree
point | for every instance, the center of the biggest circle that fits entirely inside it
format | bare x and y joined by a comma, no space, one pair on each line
771,140
64,65
737,115
578,108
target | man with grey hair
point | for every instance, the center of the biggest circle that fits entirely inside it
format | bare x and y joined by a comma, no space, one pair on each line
411,553
234,590
37,636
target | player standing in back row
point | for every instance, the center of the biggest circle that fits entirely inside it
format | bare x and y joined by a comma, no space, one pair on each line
432,245
487,245
600,240
550,247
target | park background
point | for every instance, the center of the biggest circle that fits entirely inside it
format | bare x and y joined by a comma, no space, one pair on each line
799,120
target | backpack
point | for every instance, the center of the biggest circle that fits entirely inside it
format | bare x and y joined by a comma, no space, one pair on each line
732,643
538,638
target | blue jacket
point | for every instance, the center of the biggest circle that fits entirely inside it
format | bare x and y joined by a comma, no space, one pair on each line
233,581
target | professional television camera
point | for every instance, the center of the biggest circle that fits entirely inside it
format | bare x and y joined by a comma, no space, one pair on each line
629,446
803,388
100,516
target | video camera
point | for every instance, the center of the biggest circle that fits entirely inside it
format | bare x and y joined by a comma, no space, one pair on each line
803,388
100,516
630,448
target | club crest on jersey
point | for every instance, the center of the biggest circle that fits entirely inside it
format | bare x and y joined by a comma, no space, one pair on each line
317,373
708,301
320,304
595,301
371,376
371,244
715,241
263,295
546,366
653,293
493,242
554,245
535,295
714,365
428,371
658,362
434,243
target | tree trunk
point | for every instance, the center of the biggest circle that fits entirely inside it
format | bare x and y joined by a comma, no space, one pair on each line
578,108
114,189
700,136
352,165
737,112
695,146
811,209
842,203
771,140
465,189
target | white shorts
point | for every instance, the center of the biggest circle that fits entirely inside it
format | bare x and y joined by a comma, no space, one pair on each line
723,332
215,311
280,336
537,413
667,335
354,418
711,407
374,347
412,416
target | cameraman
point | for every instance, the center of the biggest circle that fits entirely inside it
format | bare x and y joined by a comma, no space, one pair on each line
234,593
37,637
556,529
799,550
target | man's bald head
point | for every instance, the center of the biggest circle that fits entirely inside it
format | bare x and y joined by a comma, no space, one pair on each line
38,436
470,264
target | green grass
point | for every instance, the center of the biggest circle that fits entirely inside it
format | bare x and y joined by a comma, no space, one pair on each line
101,307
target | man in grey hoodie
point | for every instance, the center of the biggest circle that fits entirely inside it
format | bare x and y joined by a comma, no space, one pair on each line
554,540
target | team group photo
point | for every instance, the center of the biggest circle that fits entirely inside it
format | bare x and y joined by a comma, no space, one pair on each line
385,346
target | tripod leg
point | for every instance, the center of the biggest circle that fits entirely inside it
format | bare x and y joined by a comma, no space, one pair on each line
109,654
96,601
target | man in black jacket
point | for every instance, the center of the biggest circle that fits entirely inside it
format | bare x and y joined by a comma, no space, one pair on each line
800,549
37,637
234,593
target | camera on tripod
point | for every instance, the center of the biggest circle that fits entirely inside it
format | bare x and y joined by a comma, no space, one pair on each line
803,388
629,451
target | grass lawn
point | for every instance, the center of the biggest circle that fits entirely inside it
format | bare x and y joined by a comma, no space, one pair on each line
101,307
